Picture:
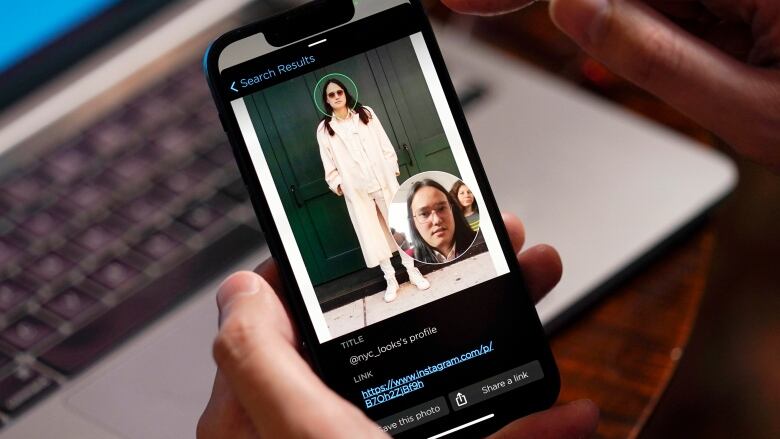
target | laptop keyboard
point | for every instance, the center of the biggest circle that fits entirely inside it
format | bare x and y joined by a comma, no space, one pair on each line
102,233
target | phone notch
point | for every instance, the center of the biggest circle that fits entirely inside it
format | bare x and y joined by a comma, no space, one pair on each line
308,19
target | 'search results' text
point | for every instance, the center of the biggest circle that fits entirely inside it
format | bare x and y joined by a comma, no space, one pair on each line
278,70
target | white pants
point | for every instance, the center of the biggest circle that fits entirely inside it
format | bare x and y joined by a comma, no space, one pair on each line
406,260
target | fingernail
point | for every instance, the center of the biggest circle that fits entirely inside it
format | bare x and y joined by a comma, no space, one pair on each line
590,410
580,19
582,403
238,284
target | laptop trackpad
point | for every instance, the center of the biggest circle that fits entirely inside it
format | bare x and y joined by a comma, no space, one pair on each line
157,386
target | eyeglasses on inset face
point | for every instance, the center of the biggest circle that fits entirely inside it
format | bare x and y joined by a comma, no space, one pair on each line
425,215
338,93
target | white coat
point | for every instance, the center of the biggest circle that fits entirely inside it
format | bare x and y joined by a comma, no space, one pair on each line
344,165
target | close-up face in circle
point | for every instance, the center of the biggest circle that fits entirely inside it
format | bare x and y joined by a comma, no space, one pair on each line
433,218
465,197
335,96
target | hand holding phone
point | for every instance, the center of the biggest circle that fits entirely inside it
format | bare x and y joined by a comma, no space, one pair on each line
397,268
235,414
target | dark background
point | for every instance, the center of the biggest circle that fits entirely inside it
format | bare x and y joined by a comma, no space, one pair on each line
727,384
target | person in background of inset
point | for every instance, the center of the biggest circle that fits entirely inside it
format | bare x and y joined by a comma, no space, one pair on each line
400,239
439,230
467,203
361,165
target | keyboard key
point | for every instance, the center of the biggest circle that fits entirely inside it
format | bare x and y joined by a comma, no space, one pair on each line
152,111
97,238
145,207
70,304
44,223
159,245
89,196
68,209
83,346
26,333
151,151
207,116
200,217
50,266
111,183
12,294
9,250
26,188
190,176
21,388
173,141
179,183
67,164
115,274
111,138
73,252
133,167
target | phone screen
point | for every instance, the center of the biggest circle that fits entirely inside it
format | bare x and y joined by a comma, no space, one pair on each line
387,231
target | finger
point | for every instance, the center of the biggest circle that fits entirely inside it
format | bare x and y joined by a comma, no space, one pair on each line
676,8
542,269
486,7
270,272
270,379
575,420
245,282
637,42
515,229
224,416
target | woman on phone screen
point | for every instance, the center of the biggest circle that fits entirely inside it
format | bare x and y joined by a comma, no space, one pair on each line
468,204
361,165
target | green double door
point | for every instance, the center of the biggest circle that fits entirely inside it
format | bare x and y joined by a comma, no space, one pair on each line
389,81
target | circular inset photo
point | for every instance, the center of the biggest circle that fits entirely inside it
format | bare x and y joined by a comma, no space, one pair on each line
434,217
335,90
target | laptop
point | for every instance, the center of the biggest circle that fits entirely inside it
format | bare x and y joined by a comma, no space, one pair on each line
121,208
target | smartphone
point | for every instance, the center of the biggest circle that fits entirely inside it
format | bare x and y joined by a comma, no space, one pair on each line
368,186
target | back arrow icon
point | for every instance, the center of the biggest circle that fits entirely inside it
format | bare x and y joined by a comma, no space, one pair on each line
233,87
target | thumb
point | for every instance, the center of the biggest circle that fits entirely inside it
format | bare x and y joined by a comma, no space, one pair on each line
235,286
640,44
255,352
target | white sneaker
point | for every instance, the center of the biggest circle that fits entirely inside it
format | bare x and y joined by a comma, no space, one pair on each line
417,279
392,289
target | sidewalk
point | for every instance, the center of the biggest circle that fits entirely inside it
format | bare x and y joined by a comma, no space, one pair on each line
372,309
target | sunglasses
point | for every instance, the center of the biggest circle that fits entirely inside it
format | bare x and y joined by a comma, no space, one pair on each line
338,93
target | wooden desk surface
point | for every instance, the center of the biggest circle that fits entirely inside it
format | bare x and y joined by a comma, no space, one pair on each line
623,352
